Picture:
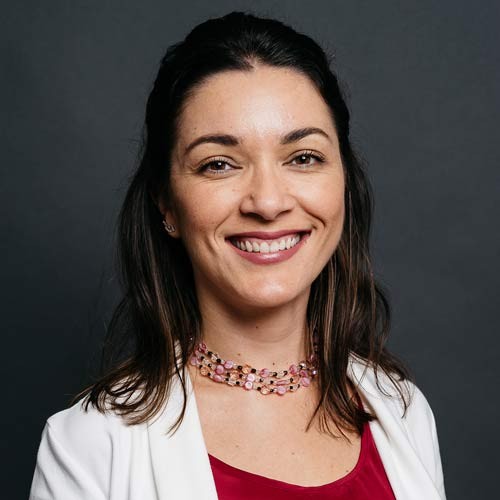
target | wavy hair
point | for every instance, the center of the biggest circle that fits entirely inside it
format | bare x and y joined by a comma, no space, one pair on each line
159,308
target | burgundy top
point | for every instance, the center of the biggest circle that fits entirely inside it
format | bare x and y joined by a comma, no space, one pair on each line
367,480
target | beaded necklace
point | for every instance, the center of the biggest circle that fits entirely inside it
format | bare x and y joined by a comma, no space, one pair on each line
265,381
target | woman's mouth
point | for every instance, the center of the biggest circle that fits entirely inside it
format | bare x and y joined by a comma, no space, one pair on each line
269,251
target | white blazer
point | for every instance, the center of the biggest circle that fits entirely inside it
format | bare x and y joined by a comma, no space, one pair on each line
91,456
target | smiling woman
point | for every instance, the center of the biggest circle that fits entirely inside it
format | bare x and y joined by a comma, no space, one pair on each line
268,184
256,364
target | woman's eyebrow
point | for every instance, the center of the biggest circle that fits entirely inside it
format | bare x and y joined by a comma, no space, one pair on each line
231,140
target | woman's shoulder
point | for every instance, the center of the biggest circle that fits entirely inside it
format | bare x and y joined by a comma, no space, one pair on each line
84,424
85,435
386,396
413,428
79,449
382,388
74,454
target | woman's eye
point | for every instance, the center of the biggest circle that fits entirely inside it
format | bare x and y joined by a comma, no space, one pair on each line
221,166
215,167
307,159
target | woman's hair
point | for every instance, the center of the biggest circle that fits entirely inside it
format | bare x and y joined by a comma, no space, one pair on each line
159,308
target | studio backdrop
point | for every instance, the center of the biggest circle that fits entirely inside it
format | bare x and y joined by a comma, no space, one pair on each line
421,80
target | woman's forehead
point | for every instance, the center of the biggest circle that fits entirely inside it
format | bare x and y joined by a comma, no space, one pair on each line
266,102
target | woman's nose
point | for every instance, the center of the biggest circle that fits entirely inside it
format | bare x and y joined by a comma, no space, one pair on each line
267,193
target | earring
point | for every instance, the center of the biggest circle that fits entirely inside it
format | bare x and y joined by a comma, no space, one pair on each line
170,228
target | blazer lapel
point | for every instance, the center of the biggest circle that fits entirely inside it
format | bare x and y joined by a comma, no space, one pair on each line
406,472
180,462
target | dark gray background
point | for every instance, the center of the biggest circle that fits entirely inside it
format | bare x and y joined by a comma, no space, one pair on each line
422,79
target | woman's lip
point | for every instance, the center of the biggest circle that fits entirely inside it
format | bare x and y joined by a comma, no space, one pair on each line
267,235
271,257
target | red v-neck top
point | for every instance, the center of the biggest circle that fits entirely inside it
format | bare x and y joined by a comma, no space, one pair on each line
367,480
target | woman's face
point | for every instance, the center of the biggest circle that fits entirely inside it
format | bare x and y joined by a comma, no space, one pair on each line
244,162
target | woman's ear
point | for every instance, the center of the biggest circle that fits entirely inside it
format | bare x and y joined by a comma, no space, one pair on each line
169,217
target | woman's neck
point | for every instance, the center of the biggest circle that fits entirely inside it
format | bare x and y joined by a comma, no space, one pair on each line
272,339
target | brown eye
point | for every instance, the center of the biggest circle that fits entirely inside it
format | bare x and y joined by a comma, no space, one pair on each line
307,159
216,167
304,159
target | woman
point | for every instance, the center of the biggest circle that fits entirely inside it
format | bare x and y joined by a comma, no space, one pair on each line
254,331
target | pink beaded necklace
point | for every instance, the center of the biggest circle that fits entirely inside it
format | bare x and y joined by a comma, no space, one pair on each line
265,381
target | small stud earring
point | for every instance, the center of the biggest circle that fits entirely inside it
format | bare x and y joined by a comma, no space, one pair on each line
170,228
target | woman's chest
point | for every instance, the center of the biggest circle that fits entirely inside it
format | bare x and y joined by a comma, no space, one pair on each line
275,444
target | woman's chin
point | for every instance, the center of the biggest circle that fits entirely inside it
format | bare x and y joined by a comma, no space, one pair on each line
266,298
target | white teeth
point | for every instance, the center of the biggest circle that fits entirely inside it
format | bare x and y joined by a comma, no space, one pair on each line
265,247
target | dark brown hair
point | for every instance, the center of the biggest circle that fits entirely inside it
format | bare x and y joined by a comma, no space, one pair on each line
159,308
